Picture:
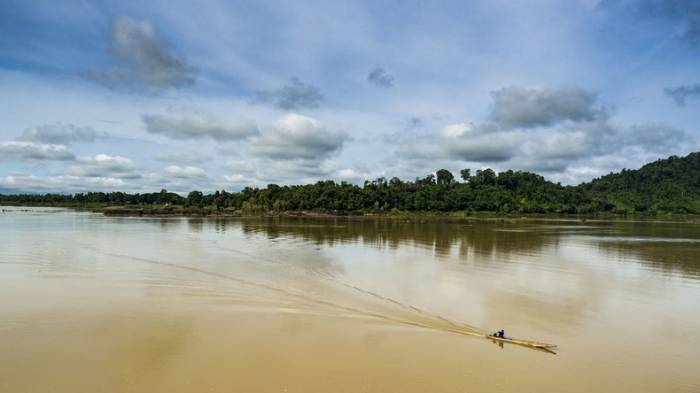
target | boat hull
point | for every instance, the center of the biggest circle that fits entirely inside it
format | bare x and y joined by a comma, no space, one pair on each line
526,343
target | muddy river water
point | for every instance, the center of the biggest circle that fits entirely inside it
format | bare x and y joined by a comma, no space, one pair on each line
97,304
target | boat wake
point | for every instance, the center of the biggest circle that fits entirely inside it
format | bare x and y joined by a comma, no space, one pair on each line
322,291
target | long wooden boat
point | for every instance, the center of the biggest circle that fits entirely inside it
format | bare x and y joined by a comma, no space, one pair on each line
525,343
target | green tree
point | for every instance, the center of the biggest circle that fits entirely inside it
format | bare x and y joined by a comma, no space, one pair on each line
195,198
444,177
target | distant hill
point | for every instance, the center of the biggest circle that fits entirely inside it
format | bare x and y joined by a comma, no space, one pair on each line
669,185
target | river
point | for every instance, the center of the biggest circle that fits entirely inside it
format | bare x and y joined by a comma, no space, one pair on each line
90,303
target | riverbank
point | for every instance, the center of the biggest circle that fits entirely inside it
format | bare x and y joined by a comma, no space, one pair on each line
212,211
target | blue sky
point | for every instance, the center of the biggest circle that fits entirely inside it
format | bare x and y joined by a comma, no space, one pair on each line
139,96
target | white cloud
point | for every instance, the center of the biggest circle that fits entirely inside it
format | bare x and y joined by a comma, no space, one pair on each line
295,95
236,178
355,175
198,126
105,166
294,149
538,133
15,150
348,174
59,134
62,183
515,107
468,143
297,137
185,171
143,60
296,171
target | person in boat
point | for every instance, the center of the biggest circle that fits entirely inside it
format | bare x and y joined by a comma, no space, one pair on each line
500,334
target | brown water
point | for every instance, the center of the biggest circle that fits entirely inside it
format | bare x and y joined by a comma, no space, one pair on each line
96,304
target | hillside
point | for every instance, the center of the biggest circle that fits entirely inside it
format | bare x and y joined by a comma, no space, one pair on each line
668,185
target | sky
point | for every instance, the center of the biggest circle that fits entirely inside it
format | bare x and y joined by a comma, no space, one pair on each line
140,96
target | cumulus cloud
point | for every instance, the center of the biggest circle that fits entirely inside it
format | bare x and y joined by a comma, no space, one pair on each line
566,140
467,142
22,183
527,107
142,59
16,150
295,95
356,175
574,141
105,166
297,137
59,134
601,138
238,178
185,172
566,151
379,77
198,127
294,171
658,138
295,148
680,94
556,148
241,172
348,174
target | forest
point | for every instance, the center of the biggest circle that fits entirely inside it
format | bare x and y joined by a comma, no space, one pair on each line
670,185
